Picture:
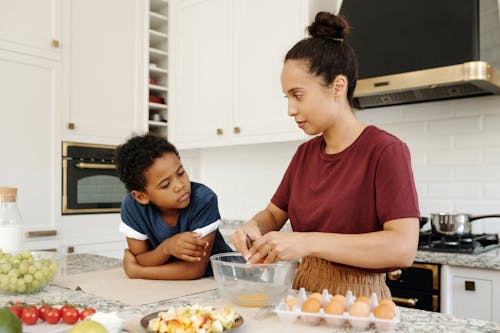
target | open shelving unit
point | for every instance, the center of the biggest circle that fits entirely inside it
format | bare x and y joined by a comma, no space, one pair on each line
158,71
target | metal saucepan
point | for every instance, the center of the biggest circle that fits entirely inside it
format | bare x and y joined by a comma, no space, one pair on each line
455,224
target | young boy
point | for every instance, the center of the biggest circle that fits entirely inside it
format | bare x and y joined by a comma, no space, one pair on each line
161,213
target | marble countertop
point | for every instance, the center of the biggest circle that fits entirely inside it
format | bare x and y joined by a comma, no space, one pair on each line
486,260
411,320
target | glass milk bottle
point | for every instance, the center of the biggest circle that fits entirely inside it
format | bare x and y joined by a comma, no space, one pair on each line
11,232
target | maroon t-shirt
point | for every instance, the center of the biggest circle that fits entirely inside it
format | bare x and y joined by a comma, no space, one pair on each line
351,192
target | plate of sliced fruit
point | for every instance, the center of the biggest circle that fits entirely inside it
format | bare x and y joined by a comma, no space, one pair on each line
196,318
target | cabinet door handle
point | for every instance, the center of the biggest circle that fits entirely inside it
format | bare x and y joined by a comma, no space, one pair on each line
412,302
55,43
83,165
71,126
470,285
236,130
40,233
394,275
220,131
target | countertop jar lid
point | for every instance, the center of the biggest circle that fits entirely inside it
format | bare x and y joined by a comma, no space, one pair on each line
8,194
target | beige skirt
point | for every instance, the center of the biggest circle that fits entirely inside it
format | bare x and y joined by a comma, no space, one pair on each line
315,274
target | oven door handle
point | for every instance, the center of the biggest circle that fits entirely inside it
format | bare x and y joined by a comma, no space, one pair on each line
83,165
412,302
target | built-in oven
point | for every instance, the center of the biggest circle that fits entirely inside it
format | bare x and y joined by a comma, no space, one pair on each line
90,182
417,286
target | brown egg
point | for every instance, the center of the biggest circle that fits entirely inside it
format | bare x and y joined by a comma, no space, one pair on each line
316,296
364,299
312,305
338,297
335,307
360,309
384,311
388,301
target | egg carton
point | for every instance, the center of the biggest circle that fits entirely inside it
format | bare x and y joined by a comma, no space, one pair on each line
289,316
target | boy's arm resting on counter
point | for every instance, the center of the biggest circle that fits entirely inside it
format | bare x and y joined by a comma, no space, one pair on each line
176,270
184,245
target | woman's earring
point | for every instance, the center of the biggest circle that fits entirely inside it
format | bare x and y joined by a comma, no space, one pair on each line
335,97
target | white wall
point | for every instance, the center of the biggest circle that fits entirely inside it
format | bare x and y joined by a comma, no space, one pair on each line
455,147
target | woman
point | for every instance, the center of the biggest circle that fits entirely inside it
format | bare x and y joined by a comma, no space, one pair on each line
349,192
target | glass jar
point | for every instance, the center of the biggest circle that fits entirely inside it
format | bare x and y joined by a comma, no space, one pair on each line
11,225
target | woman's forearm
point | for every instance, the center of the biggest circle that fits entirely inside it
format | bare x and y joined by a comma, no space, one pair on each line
270,219
391,247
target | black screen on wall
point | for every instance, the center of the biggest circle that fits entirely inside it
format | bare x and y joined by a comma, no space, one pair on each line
397,36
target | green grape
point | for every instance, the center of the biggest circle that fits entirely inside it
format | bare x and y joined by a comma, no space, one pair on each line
28,278
6,267
23,267
32,269
39,275
14,273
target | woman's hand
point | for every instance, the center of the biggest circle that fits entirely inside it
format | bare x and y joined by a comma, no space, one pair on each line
279,246
245,236
186,246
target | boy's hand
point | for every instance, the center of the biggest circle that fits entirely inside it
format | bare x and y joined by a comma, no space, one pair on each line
129,263
187,246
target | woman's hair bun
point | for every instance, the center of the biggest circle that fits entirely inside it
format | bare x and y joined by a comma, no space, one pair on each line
327,25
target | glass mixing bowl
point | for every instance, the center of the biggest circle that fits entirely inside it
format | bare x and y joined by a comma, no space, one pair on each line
252,284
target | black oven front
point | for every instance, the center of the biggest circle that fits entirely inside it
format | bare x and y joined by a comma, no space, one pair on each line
417,286
90,182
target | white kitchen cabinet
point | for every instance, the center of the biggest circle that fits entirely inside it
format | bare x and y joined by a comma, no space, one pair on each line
225,62
92,233
30,101
105,70
200,64
471,293
31,27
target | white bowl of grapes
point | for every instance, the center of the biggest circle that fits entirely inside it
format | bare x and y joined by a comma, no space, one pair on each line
27,271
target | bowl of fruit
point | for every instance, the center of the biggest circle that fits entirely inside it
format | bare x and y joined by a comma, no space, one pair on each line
27,271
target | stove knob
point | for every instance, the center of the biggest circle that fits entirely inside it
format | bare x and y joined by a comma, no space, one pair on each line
394,275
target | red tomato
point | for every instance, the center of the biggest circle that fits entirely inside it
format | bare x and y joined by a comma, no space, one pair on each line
71,315
53,316
65,307
44,308
16,310
87,312
30,316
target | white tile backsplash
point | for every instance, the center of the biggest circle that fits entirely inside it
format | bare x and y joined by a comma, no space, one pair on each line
455,148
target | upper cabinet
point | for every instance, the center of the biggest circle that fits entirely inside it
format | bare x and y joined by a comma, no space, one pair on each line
225,60
31,27
157,66
105,70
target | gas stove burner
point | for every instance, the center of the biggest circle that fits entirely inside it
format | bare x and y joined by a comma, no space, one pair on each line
472,244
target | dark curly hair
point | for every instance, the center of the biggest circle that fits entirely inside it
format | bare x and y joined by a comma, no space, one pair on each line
326,51
135,156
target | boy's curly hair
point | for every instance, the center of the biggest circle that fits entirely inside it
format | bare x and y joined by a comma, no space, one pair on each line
135,156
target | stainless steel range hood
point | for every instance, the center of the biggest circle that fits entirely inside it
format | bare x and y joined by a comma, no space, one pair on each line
465,80
441,62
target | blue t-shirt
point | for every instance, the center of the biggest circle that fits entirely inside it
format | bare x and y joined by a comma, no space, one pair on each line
143,222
